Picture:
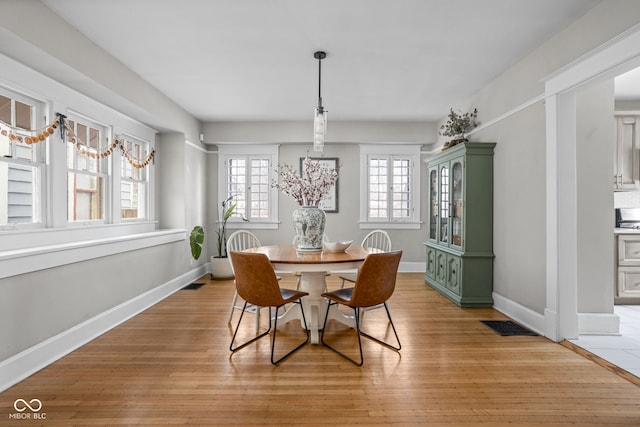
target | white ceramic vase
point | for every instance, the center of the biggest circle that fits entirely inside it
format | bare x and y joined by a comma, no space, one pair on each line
308,223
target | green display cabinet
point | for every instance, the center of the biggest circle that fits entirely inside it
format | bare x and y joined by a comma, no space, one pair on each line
459,246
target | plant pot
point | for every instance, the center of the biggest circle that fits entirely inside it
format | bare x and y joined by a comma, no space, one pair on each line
221,268
457,141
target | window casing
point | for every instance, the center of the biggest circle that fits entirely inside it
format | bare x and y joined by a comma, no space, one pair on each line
390,186
246,173
22,165
88,178
134,185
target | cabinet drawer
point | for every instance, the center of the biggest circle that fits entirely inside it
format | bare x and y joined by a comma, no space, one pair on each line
629,282
454,273
431,263
629,250
441,267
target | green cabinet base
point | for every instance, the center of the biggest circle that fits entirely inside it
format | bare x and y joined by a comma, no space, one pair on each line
461,301
466,279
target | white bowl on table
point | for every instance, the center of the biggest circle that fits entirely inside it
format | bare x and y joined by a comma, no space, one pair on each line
339,246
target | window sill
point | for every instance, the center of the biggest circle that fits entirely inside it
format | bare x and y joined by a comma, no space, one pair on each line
253,225
372,225
27,260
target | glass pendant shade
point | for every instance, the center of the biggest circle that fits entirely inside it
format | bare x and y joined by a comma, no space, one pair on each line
319,129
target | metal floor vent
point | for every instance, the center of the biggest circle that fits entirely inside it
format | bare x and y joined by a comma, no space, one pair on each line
508,328
193,286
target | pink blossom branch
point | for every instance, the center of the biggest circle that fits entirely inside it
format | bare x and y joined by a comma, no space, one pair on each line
311,186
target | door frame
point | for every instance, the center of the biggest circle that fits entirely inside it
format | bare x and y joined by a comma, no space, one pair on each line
615,57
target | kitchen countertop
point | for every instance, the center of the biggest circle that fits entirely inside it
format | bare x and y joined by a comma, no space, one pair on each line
626,231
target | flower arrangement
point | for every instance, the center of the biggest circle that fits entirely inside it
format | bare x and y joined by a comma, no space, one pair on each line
459,124
310,186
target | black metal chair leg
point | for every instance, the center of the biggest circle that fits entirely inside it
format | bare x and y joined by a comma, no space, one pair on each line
275,331
324,328
394,332
356,311
233,350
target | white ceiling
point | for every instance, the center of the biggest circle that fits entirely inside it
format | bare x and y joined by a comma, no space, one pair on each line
400,60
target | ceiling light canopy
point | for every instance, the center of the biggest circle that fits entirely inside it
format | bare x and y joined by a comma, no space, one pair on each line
320,116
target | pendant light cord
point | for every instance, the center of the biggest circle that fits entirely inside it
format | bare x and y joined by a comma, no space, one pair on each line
320,84
320,56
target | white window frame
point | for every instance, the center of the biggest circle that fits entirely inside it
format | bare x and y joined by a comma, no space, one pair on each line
270,151
39,165
106,173
145,174
391,152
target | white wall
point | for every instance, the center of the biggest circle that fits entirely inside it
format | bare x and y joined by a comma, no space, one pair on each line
37,306
519,200
170,196
295,142
301,132
595,140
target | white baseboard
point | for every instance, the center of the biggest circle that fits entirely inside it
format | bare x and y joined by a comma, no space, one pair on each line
412,267
598,324
521,314
33,359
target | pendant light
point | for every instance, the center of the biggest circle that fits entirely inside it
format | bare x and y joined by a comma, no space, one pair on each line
320,116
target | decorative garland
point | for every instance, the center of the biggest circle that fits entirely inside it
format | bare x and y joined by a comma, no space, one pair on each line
42,133
136,163
36,135
118,142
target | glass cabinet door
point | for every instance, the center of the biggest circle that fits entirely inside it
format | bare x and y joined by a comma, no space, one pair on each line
444,204
433,203
456,203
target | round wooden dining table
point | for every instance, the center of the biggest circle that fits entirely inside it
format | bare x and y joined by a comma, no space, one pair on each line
313,267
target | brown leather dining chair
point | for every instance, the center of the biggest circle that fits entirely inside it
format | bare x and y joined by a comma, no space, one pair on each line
257,284
374,285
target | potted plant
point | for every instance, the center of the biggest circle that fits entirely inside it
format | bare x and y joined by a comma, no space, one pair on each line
220,265
457,125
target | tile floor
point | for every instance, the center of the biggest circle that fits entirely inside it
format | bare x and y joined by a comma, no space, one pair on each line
621,350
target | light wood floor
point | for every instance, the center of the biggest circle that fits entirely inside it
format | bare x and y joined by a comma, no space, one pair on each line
171,366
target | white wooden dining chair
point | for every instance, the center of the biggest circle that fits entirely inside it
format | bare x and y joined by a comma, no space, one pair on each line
378,239
239,241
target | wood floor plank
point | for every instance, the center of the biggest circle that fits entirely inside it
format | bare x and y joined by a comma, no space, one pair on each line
171,365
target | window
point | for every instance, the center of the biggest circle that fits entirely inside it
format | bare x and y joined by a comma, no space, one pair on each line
246,173
87,173
133,181
390,186
45,184
21,164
